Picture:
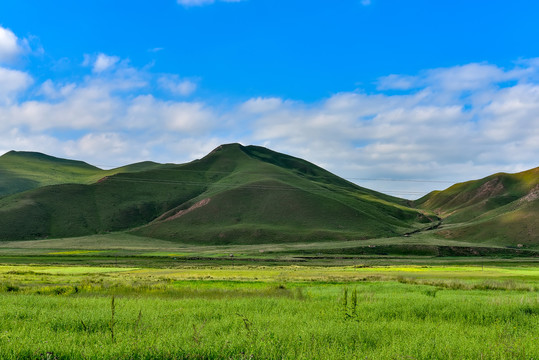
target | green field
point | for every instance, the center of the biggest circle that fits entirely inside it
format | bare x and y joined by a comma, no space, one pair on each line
193,311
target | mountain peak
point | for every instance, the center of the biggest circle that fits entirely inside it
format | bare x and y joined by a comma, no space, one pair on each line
227,147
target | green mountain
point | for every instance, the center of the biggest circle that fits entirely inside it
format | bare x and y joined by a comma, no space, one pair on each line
21,171
236,194
501,209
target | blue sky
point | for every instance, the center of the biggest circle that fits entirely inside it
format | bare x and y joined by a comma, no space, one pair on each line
382,92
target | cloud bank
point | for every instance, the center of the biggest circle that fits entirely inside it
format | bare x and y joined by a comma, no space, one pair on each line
406,138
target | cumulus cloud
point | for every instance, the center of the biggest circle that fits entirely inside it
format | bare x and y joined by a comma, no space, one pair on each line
100,62
458,78
177,86
104,62
188,118
466,77
52,90
397,82
261,105
12,82
9,45
98,144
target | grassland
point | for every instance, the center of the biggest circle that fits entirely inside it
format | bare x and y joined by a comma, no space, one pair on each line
291,312
271,301
129,250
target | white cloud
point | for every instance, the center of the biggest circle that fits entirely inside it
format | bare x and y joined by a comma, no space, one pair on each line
111,74
55,91
12,83
101,62
458,78
512,115
466,77
9,45
177,86
98,144
397,82
104,62
84,108
261,105
187,117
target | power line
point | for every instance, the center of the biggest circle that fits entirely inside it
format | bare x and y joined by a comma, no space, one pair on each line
222,185
253,186
347,178
404,180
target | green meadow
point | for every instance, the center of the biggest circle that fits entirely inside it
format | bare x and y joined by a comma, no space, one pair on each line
295,311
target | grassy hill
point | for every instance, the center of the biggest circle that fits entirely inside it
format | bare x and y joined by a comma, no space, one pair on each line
21,171
235,194
499,209
267,196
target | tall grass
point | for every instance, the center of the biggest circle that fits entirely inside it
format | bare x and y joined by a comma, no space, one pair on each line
391,320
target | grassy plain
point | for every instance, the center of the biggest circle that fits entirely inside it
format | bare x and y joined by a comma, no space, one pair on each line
271,301
269,312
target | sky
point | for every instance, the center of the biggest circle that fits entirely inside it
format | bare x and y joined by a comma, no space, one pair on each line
400,96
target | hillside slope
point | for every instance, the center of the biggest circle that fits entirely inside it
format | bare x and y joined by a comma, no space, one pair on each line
22,170
235,194
499,209
267,196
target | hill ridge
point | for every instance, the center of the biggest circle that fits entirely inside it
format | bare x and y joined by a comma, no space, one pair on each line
251,194
500,208
44,157
256,195
26,170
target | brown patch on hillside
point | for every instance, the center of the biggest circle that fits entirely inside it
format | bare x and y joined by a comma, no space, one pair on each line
197,205
531,196
464,199
490,188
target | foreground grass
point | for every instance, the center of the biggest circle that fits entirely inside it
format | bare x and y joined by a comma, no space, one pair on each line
290,312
